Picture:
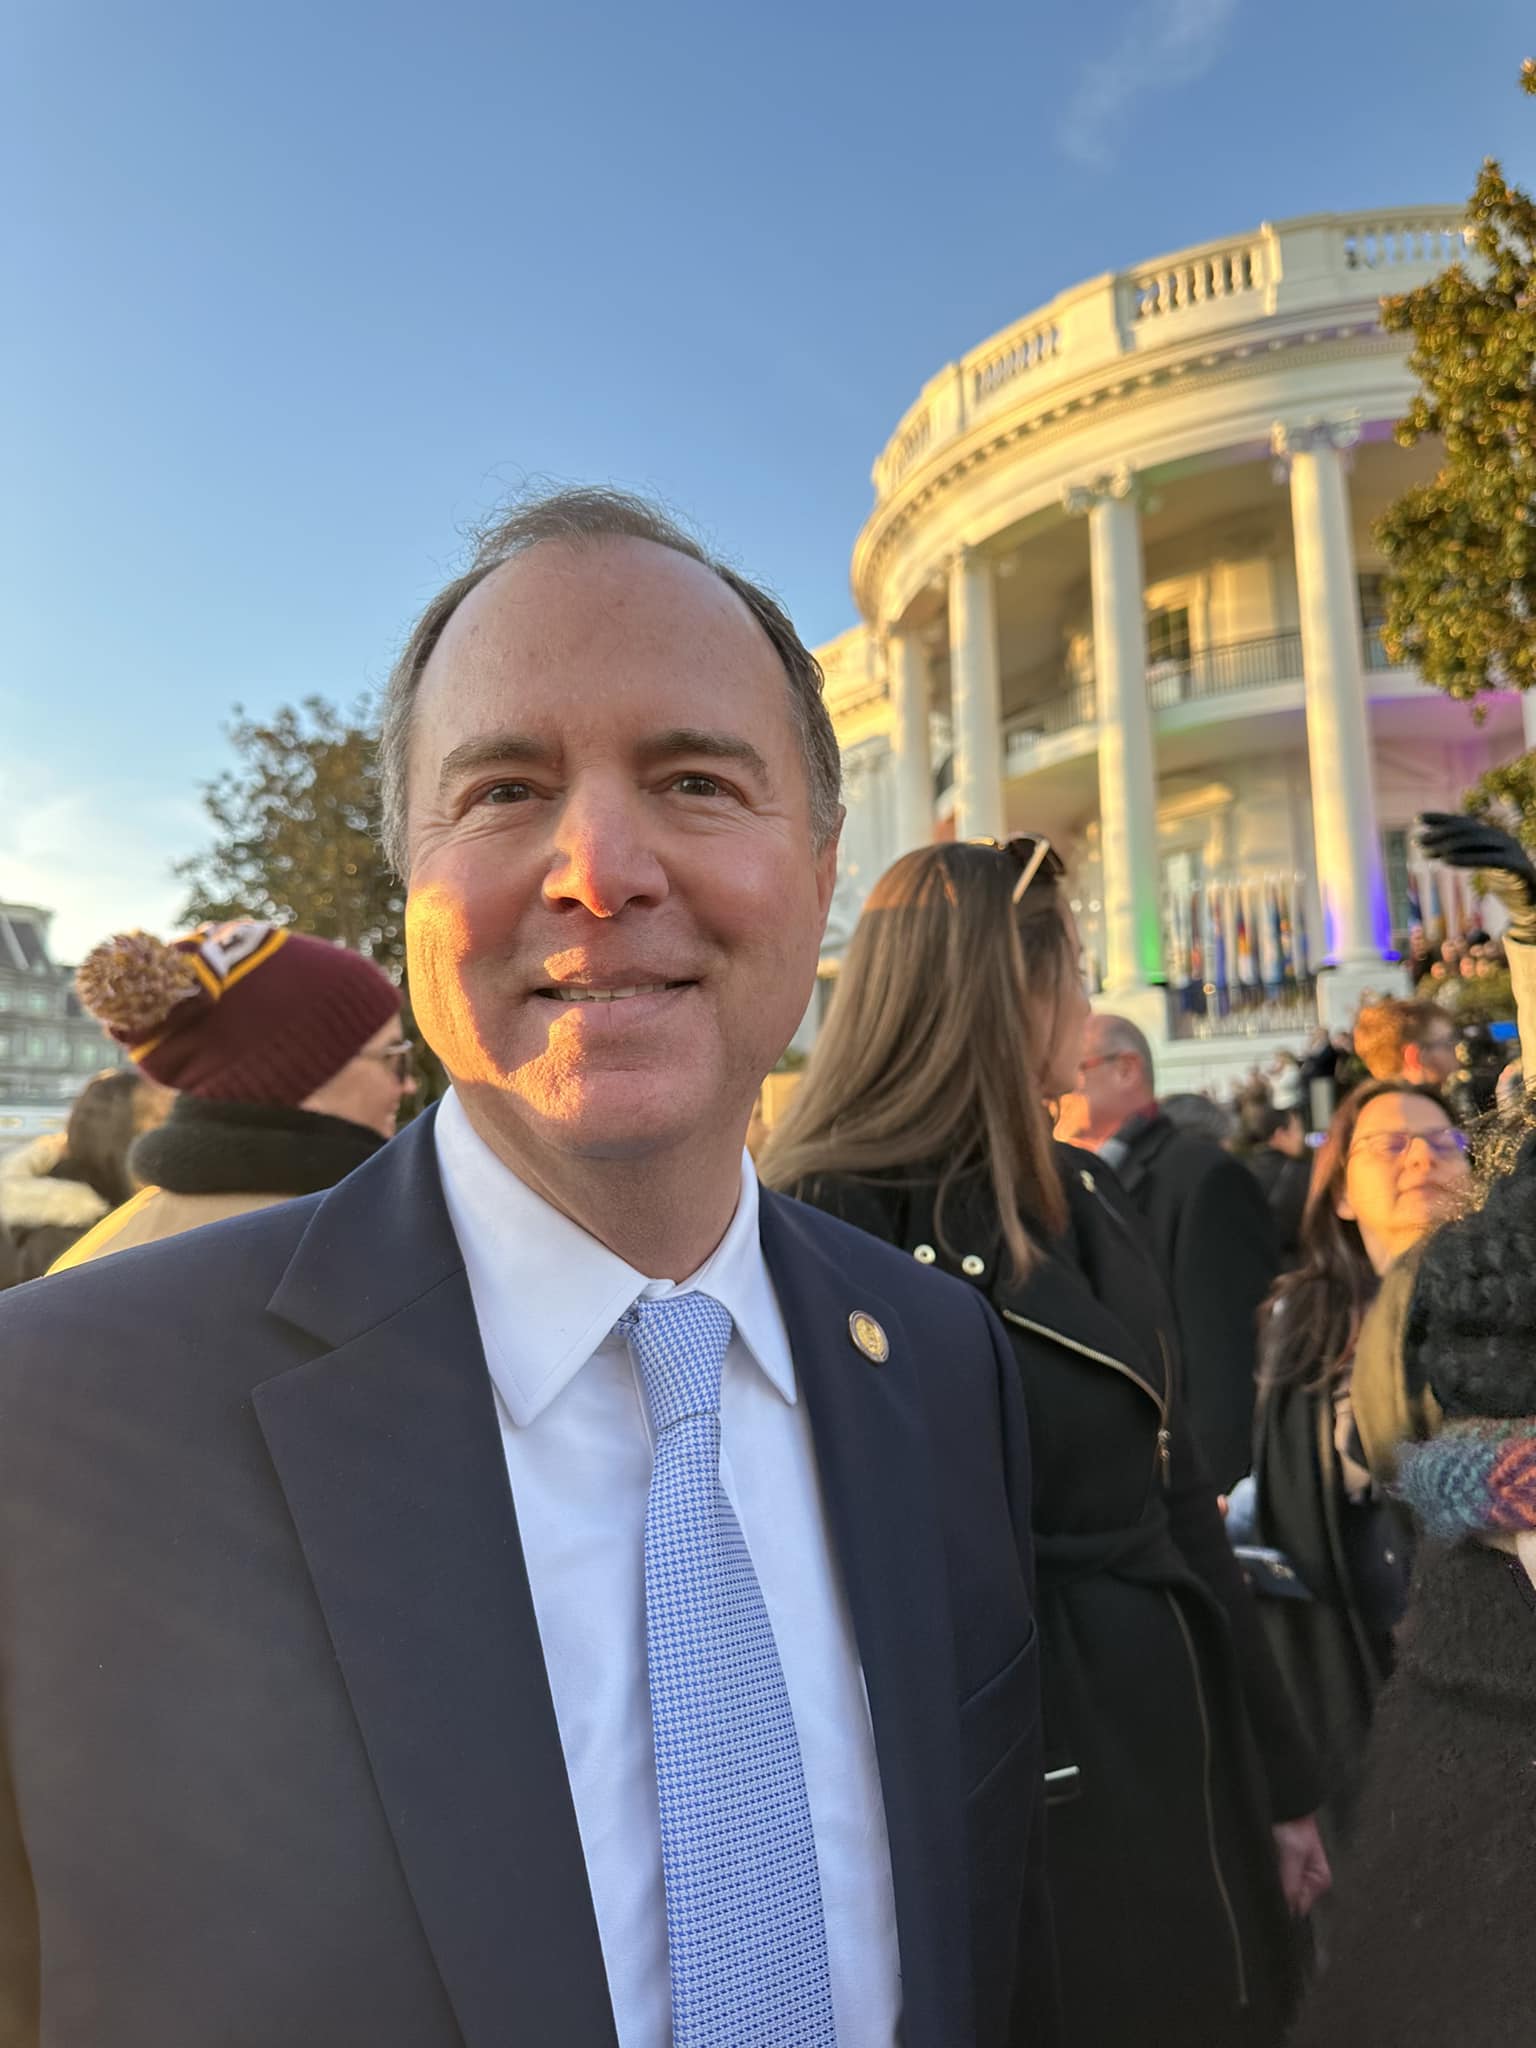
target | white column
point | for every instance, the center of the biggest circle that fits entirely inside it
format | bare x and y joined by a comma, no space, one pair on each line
907,670
1528,718
975,691
1356,917
1127,761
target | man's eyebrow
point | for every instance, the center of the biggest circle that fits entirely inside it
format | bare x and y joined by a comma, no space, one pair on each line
494,750
523,750
712,746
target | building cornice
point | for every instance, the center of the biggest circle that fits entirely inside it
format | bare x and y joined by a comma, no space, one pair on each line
992,445
1304,290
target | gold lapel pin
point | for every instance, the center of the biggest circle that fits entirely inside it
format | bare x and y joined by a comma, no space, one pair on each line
869,1337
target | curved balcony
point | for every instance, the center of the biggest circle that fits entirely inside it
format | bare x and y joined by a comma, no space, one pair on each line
1293,265
1272,661
1186,360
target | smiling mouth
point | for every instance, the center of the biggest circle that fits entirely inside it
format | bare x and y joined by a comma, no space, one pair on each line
576,994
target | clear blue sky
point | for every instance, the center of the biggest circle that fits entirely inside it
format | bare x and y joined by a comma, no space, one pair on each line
298,291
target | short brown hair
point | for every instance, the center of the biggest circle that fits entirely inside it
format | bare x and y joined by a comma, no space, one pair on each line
1384,1030
577,516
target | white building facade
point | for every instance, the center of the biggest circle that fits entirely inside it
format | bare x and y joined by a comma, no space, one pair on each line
1119,586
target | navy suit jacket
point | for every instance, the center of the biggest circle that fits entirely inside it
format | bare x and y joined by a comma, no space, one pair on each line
280,1764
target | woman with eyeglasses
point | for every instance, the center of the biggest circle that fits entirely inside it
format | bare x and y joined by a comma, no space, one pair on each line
1179,1787
287,1058
1392,1167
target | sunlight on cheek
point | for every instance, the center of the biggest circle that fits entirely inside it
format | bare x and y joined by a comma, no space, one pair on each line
440,954
437,947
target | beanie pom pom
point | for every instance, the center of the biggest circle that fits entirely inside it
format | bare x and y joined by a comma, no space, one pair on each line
133,981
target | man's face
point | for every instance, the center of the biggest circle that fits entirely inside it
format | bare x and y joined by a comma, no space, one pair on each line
615,903
1110,1088
1434,1060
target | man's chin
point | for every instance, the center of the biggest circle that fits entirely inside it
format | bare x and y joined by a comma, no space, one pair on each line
609,1117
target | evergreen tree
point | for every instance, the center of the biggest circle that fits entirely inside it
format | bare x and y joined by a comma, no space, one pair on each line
1461,549
296,840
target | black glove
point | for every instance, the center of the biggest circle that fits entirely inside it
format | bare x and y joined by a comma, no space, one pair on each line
1462,842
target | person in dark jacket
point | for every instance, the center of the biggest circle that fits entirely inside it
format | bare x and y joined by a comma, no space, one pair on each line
61,1185
1180,1787
1281,1163
1432,1938
1210,1228
1393,1166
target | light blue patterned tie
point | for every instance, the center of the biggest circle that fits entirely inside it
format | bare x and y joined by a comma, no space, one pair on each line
747,1941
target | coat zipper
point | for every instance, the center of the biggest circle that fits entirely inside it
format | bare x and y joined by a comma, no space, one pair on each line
1164,1436
1164,1433
1210,1814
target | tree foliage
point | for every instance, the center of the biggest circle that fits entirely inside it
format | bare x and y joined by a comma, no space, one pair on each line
296,840
296,826
1507,796
1461,549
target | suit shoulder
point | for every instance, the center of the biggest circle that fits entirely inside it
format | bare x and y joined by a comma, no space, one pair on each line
133,1292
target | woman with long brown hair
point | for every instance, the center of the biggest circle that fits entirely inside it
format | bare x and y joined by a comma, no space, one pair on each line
1392,1167
921,1119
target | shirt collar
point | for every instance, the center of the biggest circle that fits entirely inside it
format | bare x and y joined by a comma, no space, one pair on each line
547,1293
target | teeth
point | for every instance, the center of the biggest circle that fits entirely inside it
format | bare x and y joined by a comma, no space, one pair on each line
608,995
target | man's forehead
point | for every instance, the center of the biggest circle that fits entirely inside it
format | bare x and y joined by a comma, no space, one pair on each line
557,593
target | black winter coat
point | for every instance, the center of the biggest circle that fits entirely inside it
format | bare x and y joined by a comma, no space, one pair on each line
1216,1246
1286,1183
1335,1649
1170,1926
1431,1939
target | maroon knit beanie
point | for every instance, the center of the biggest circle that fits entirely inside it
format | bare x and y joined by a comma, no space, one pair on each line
238,1012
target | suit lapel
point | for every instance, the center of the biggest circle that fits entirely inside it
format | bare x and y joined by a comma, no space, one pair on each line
867,1421
388,1452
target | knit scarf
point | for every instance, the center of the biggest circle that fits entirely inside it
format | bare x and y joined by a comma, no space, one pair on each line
1476,1478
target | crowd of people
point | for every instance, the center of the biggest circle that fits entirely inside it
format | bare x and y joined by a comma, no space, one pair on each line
1039,1561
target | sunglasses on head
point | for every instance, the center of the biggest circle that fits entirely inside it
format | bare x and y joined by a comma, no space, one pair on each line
1031,851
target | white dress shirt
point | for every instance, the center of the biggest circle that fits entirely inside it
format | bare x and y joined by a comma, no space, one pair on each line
576,1433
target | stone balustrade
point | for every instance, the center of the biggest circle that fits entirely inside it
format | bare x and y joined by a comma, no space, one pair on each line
1176,284
1322,265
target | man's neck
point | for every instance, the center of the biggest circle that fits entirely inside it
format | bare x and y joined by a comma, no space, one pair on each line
662,1212
1125,1126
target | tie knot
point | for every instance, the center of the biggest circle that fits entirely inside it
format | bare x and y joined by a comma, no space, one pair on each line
679,1344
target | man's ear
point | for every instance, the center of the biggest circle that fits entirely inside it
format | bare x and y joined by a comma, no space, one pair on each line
826,868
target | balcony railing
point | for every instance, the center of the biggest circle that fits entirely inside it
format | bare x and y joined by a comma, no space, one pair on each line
1285,268
1221,670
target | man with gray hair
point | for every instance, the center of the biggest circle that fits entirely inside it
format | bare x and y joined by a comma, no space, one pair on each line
1208,1222
547,1589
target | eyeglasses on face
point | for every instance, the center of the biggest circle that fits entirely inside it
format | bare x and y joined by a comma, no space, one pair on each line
400,1058
1032,851
1393,1146
1098,1059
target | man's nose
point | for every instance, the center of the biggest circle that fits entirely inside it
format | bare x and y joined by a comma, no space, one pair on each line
605,857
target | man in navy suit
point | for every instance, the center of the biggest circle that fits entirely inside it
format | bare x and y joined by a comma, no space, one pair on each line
546,1592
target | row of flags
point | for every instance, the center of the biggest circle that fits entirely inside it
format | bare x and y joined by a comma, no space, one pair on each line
1229,944
1442,902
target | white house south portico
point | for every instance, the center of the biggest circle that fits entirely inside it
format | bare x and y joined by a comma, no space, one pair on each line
1119,585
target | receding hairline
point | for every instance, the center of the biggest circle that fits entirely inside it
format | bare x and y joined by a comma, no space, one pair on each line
700,575
580,516
1120,1035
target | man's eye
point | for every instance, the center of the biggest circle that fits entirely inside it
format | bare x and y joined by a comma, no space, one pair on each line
697,785
504,793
